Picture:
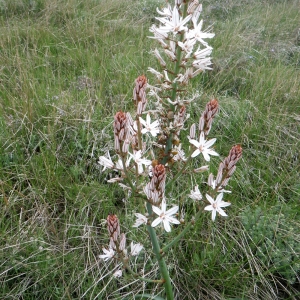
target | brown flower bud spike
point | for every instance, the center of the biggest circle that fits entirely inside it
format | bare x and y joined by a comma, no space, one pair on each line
207,116
228,166
139,93
113,227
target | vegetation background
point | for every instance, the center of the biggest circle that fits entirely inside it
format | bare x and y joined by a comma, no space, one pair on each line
66,66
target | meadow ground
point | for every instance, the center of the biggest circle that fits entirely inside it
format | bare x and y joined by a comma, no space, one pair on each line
66,66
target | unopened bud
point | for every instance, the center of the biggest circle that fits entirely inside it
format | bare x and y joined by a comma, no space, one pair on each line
193,131
201,169
207,116
113,227
139,93
122,244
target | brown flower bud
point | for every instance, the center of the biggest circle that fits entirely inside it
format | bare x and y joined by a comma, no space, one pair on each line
113,227
120,129
139,93
159,177
207,116
155,189
235,154
228,166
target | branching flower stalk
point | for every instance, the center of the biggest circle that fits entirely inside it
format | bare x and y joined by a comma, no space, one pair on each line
152,149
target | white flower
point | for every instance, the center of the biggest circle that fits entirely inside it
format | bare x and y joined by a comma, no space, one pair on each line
203,147
160,59
118,273
213,184
198,34
196,195
202,60
196,14
106,162
202,53
141,219
165,216
187,46
167,11
119,164
200,65
135,248
216,205
156,73
152,128
108,254
152,194
159,35
175,23
172,56
137,157
180,155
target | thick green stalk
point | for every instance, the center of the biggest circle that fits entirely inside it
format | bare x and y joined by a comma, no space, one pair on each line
161,261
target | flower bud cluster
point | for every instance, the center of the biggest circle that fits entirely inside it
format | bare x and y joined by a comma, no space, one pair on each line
228,166
207,116
139,94
121,132
126,136
116,239
117,245
155,189
226,169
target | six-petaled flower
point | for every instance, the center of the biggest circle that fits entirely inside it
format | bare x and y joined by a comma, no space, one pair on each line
108,254
165,216
216,205
203,146
153,128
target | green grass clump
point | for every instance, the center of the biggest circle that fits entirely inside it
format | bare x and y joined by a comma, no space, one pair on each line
274,239
65,68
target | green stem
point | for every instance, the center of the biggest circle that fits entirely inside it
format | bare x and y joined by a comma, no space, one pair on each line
161,262
126,173
139,277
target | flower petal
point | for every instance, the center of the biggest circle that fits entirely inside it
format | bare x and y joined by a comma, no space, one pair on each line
210,199
172,211
195,153
167,226
222,212
157,210
156,222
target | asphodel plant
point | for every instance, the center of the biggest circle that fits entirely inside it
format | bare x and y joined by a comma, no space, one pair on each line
155,145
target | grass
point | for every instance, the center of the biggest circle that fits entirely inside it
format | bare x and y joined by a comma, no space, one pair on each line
66,67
